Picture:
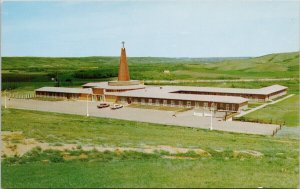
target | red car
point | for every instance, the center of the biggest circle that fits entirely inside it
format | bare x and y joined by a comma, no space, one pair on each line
103,105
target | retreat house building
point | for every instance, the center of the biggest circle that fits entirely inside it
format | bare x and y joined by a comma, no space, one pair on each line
128,91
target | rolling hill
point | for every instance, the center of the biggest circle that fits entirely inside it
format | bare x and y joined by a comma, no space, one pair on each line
26,71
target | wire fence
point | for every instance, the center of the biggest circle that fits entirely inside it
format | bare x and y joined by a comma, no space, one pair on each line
264,121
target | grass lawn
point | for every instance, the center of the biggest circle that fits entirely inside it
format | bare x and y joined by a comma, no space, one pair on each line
254,105
278,167
285,111
232,173
166,108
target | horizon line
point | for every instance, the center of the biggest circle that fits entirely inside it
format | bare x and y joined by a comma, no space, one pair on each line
153,56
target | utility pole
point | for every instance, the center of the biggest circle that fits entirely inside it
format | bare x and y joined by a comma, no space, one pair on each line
5,105
211,118
87,105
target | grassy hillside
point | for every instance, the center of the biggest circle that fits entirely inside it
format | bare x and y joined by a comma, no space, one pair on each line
271,62
18,72
277,167
270,66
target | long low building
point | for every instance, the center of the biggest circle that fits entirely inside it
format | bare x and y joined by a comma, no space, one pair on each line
64,92
230,99
262,94
158,96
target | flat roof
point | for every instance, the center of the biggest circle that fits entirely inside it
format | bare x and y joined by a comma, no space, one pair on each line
272,89
104,85
261,91
65,90
156,92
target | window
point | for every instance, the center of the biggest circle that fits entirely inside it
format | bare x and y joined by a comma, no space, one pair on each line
150,101
172,103
142,101
180,103
227,106
188,104
205,105
165,103
233,107
196,104
213,106
157,102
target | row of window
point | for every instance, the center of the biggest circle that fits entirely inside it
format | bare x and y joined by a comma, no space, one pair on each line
250,96
52,94
116,90
172,103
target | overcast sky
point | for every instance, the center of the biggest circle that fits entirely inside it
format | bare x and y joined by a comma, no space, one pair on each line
150,28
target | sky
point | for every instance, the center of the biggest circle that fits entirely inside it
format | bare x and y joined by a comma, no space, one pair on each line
171,28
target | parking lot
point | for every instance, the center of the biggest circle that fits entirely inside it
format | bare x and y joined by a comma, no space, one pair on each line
185,119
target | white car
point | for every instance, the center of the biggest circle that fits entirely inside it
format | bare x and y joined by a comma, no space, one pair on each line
116,106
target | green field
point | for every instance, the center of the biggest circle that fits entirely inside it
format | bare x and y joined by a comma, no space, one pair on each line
278,167
286,111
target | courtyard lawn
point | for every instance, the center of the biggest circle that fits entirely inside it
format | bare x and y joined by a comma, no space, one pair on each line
278,167
285,111
254,104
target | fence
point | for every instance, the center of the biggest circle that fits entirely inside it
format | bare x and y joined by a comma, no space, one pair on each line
264,121
21,95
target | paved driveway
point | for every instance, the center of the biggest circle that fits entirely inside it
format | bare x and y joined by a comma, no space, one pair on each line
186,119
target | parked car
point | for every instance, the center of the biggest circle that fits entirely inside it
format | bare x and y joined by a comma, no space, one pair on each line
116,106
103,105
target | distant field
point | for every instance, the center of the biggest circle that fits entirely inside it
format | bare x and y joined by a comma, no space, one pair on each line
278,167
22,72
286,111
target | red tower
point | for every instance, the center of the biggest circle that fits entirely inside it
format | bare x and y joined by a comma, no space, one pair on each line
123,66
